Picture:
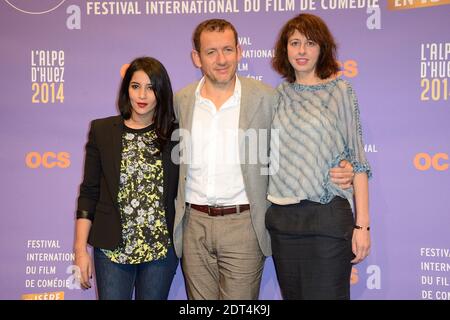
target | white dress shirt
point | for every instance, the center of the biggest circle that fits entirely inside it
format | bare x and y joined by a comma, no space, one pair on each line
214,176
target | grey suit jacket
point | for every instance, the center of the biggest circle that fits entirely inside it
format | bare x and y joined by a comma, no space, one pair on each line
258,102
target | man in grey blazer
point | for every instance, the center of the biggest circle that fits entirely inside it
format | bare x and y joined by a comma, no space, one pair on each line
219,229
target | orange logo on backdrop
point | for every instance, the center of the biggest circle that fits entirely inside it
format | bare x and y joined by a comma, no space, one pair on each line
349,68
47,160
123,69
354,276
44,296
412,4
424,161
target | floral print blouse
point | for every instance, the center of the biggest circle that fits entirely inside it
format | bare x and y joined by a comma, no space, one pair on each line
145,236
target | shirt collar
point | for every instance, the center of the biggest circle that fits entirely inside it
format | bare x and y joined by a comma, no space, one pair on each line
236,94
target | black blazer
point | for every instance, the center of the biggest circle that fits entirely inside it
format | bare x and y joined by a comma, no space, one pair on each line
97,200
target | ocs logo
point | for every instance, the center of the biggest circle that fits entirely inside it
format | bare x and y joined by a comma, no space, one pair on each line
123,69
424,161
47,160
349,68
35,7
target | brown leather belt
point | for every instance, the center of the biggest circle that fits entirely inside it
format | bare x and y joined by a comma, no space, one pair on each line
219,211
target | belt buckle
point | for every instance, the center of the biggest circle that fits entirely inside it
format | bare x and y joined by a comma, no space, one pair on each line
214,207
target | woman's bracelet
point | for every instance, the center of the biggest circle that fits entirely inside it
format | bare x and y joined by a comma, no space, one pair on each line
361,228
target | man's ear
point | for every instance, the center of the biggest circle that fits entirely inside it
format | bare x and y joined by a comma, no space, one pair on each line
196,58
239,52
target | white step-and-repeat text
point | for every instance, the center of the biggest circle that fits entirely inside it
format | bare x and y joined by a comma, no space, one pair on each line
60,67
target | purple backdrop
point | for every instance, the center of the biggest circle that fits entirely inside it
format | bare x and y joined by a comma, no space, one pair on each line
60,63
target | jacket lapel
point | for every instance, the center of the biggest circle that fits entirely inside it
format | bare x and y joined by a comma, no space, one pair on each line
187,111
116,140
249,104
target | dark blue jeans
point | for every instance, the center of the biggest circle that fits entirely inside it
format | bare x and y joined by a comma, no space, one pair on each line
149,280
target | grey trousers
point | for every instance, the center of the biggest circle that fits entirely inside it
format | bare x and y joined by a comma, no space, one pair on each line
221,257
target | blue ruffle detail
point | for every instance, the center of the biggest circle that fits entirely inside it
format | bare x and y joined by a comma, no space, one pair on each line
348,155
355,106
304,87
362,167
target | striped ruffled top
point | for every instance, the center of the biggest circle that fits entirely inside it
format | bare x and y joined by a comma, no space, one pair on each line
314,128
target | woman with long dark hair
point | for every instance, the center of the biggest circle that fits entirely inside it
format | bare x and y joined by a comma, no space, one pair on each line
126,200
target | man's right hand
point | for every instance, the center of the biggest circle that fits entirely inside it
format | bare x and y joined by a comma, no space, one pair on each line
343,175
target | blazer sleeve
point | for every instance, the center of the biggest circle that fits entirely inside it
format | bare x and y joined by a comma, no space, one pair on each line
90,187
